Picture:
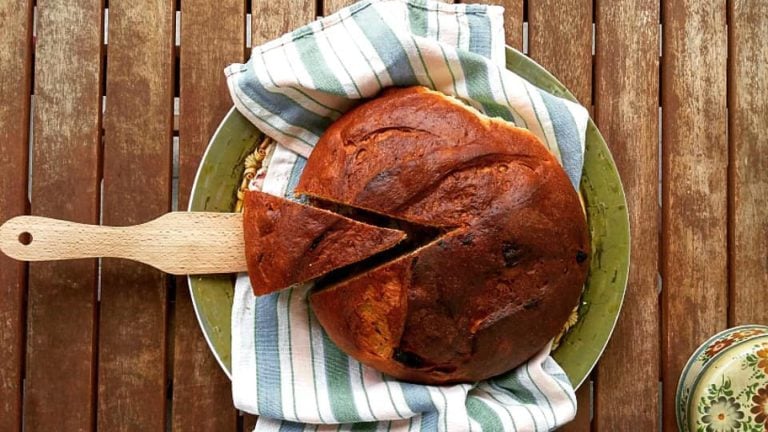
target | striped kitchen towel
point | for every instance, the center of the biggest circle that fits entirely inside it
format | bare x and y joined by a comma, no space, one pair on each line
284,366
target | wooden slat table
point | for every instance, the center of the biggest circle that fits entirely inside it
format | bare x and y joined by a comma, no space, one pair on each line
108,107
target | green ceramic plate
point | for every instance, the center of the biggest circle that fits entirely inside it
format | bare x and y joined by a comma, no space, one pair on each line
220,174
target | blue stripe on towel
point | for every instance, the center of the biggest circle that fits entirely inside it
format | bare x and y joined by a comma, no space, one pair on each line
268,355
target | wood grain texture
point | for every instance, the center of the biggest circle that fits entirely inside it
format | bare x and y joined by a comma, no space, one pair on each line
67,140
694,161
560,39
212,37
138,140
15,81
583,421
513,21
331,6
626,111
179,243
271,19
249,422
202,393
748,175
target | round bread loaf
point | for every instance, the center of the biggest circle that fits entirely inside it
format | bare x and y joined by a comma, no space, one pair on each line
497,285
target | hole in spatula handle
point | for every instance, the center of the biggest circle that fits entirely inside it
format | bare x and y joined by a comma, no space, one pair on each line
25,238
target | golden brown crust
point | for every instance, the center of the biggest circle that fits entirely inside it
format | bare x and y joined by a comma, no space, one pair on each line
288,242
491,292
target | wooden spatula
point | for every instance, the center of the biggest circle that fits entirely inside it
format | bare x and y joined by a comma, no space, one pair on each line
176,243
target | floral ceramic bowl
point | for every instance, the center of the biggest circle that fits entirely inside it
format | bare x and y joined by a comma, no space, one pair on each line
724,385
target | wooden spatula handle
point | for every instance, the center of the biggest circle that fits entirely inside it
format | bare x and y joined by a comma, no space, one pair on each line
177,243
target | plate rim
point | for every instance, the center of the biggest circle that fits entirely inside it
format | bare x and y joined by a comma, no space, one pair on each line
190,281
511,54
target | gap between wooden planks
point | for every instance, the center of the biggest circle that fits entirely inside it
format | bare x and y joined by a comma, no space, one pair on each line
15,83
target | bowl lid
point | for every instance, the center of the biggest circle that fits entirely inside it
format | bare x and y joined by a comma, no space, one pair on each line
730,390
